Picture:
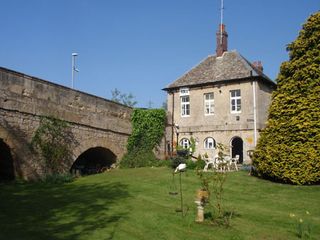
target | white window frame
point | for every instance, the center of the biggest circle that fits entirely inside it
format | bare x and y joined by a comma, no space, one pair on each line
209,143
185,143
235,101
184,91
185,106
208,104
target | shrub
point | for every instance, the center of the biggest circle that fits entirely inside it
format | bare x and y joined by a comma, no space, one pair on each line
191,164
175,161
289,148
139,158
200,164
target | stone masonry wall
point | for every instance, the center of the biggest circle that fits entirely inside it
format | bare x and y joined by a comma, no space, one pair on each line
94,121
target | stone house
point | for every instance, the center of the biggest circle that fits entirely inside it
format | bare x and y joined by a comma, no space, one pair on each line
224,99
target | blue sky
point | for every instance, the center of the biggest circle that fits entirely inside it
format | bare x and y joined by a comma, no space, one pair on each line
140,46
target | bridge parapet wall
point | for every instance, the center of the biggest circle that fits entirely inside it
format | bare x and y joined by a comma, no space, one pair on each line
38,97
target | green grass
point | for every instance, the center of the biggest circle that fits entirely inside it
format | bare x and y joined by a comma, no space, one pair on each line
135,204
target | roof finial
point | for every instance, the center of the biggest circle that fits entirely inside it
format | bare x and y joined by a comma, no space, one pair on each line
221,35
221,20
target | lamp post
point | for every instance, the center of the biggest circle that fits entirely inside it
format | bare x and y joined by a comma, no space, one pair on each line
74,69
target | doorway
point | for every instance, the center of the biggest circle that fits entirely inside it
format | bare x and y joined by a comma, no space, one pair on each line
237,148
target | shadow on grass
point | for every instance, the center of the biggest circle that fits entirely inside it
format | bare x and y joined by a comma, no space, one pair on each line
67,211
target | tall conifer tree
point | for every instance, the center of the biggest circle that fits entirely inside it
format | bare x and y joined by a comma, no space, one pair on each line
289,148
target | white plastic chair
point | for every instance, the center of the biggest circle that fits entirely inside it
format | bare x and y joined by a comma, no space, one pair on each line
234,162
226,163
209,162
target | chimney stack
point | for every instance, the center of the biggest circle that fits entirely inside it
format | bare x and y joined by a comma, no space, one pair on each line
258,65
222,40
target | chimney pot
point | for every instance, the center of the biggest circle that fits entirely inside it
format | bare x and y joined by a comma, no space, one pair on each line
222,40
258,65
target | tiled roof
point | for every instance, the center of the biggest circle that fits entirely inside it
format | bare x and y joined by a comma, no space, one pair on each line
229,67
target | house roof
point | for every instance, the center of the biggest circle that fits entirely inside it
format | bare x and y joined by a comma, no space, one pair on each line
230,66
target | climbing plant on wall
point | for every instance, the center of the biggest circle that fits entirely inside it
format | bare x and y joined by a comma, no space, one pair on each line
289,148
148,126
54,141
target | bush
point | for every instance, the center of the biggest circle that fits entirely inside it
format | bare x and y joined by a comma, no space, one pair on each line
198,164
139,158
288,149
191,164
175,161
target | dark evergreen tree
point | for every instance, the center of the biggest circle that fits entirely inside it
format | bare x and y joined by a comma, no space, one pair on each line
289,148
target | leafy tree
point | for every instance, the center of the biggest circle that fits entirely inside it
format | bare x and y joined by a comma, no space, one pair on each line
126,99
289,148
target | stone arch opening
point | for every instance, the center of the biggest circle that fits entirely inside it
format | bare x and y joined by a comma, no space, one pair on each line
92,161
237,148
6,163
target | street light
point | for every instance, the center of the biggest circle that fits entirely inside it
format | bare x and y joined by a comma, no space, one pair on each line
74,69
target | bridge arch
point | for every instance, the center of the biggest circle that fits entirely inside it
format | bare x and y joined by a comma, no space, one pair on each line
6,162
93,155
16,149
93,160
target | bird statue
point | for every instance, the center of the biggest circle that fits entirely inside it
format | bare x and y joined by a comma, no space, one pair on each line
181,168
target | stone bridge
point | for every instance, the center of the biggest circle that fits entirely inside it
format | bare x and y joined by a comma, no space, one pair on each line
99,126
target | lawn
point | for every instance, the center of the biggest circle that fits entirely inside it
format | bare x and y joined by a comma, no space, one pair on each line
135,204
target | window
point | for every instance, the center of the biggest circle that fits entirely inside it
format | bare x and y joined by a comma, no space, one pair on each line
209,143
184,91
185,143
235,101
185,106
208,103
